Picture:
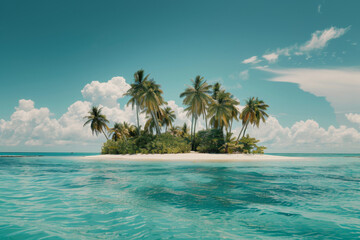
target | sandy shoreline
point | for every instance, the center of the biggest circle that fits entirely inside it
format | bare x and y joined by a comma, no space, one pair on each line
195,157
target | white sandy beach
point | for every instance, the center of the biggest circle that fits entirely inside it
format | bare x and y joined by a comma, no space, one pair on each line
193,156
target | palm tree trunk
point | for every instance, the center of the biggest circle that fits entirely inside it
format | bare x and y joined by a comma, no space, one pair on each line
205,119
137,117
241,132
194,133
192,127
156,123
104,134
245,128
231,123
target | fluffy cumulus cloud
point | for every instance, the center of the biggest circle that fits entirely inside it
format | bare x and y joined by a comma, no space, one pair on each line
353,117
319,40
30,127
306,136
106,93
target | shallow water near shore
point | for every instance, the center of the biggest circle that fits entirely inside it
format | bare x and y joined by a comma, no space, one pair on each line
61,197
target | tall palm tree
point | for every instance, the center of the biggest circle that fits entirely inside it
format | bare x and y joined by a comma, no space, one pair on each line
97,121
234,104
253,112
168,117
151,100
136,91
215,90
220,110
197,99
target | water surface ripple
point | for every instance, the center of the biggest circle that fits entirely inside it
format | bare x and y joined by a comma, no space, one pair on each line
66,198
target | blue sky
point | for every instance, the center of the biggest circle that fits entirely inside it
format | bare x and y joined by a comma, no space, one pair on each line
51,49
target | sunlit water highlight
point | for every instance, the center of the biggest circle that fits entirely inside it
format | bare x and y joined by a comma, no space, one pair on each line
59,197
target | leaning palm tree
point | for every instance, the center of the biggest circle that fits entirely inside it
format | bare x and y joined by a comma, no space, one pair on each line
97,121
151,100
135,92
253,112
168,117
197,99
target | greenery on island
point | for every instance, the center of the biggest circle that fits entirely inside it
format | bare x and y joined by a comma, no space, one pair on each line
211,103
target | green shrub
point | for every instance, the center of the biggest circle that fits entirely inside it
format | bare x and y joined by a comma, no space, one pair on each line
165,143
210,141
109,147
249,145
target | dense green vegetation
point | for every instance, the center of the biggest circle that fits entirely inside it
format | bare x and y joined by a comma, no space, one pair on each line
147,143
211,103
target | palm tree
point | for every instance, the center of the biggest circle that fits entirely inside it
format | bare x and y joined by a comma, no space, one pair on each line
115,132
150,124
175,131
197,99
168,117
122,130
215,90
220,110
97,121
234,104
151,100
253,112
135,92
185,130
119,130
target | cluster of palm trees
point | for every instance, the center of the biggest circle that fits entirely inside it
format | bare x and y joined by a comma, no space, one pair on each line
220,108
217,107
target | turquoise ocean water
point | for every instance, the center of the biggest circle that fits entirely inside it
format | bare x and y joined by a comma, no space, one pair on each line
56,196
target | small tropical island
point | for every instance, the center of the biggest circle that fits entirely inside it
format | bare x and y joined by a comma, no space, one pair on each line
217,107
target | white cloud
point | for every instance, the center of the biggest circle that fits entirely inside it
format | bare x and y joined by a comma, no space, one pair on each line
30,127
340,87
319,39
180,113
252,60
353,117
272,57
105,93
36,128
306,136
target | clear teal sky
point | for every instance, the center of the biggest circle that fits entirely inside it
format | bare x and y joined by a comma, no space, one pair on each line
50,49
